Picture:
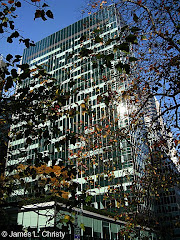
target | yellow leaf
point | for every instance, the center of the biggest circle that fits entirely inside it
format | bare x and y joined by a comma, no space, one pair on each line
143,38
83,105
67,217
82,226
65,195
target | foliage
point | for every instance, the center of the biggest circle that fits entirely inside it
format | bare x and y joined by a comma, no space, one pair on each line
34,108
152,29
155,27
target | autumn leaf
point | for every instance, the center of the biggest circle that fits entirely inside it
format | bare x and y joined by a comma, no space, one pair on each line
67,217
135,18
49,14
38,13
82,226
9,57
18,4
65,195
143,37
14,34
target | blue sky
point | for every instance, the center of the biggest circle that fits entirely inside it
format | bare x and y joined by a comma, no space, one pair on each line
65,13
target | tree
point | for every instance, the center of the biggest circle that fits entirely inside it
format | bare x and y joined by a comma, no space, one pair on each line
37,109
32,107
153,29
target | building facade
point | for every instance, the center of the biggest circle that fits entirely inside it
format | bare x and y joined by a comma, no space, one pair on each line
94,148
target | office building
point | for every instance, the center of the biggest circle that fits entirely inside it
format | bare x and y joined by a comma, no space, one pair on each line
92,83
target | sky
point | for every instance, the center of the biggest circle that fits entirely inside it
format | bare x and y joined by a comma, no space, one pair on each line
65,13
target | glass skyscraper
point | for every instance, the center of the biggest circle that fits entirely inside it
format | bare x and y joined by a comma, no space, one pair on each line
102,159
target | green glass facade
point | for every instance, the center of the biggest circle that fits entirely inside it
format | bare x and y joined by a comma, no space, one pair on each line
103,160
